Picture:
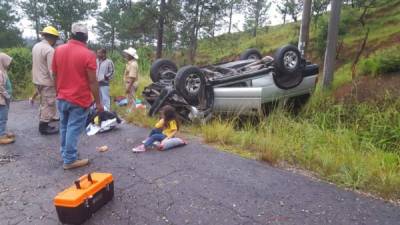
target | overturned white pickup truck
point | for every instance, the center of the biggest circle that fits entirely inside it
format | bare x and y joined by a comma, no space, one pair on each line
246,85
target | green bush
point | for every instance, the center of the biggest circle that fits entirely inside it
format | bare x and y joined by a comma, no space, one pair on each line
385,61
20,71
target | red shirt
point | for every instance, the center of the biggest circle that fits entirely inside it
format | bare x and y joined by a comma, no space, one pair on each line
70,64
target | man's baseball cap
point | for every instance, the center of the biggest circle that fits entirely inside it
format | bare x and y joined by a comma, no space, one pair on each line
79,28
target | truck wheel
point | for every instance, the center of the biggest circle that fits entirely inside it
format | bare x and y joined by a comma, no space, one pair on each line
190,83
163,67
287,59
288,67
251,53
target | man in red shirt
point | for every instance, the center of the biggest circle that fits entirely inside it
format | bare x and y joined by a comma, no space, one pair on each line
74,68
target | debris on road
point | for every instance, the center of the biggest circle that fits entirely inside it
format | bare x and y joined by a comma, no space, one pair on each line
103,148
7,158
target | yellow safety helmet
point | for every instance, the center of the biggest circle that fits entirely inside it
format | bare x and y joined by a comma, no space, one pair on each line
50,30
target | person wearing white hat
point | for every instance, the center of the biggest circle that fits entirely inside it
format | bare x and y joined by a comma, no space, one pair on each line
131,75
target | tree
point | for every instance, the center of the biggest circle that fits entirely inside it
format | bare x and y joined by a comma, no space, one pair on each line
256,14
233,5
107,22
173,17
168,17
63,13
9,34
318,8
198,17
294,7
192,13
282,7
33,9
160,31
365,5
139,23
213,13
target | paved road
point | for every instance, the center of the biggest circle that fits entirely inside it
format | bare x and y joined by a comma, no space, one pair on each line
195,184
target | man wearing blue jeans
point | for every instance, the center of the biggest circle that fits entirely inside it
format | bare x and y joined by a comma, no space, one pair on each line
72,123
74,68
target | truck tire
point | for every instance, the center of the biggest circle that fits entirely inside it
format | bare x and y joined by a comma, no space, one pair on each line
288,66
251,53
161,66
190,83
287,59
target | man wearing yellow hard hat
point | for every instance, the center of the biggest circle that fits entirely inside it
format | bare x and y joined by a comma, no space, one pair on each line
42,57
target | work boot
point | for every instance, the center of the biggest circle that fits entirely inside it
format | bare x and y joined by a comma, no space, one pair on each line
4,140
76,164
45,129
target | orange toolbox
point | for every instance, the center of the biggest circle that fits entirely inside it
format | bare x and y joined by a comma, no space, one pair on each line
77,203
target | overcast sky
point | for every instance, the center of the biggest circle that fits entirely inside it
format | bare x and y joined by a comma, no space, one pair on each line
238,20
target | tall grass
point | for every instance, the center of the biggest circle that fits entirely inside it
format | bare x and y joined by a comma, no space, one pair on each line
348,153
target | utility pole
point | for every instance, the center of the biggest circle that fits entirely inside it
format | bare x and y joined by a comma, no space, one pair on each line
330,54
305,27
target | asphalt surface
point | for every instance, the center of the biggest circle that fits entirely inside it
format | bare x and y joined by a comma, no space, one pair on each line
195,184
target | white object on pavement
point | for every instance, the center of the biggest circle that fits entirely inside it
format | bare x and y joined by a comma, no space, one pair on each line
107,125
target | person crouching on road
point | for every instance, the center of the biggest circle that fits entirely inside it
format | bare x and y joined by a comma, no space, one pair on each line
74,68
165,128
42,57
131,76
5,98
104,73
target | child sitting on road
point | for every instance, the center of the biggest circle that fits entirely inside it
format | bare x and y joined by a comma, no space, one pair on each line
164,129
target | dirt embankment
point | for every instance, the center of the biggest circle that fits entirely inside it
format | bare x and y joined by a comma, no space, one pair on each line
370,89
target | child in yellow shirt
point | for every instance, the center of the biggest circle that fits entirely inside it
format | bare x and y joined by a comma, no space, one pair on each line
166,128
